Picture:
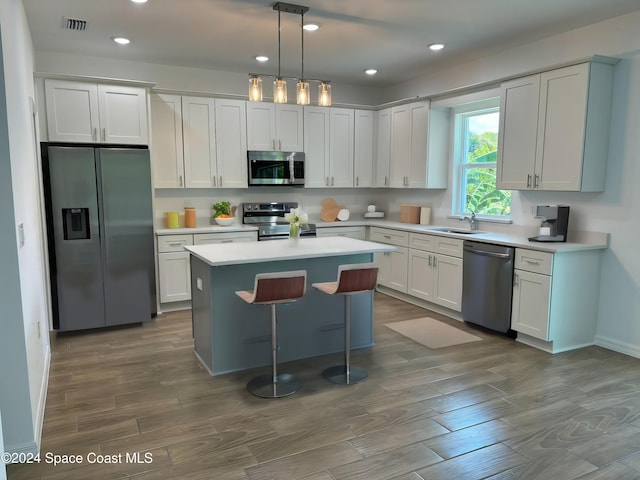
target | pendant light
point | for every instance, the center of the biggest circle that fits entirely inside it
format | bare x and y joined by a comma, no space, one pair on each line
303,91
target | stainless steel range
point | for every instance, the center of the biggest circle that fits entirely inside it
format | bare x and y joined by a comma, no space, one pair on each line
269,218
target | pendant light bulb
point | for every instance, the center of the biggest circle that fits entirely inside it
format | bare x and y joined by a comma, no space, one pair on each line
324,94
279,90
303,97
255,89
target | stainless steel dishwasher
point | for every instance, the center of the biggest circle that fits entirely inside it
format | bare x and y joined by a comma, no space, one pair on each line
487,285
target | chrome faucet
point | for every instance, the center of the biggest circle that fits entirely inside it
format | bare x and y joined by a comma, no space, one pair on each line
473,221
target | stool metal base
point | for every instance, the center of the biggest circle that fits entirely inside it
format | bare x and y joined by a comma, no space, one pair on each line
263,386
338,374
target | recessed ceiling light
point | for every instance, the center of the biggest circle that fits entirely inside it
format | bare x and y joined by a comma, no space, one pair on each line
139,1
436,46
371,71
311,27
262,58
121,40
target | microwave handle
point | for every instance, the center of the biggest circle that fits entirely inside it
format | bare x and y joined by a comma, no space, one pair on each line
292,177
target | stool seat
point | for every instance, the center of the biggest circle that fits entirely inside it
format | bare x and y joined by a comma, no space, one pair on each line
352,279
273,289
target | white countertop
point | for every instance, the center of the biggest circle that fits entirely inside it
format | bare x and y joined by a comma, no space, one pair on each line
256,252
580,240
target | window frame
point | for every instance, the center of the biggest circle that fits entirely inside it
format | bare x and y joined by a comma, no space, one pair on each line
460,123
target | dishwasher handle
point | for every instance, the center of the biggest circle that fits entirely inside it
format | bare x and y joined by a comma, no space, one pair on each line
487,254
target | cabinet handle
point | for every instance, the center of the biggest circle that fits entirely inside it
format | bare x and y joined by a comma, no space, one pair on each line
279,144
357,181
226,241
332,181
327,182
528,180
176,244
435,261
387,236
273,143
94,137
531,262
536,181
220,180
214,180
515,279
180,176
104,134
429,260
386,181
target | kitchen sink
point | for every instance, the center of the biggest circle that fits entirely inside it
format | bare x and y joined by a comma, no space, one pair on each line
464,231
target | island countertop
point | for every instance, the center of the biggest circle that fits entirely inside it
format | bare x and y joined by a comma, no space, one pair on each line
257,252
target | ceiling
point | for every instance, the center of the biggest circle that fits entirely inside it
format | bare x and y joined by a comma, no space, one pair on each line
391,36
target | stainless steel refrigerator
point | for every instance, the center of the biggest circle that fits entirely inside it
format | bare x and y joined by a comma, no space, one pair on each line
100,224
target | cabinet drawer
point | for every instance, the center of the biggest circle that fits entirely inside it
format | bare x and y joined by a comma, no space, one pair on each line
173,243
389,236
230,237
352,232
533,261
449,246
421,241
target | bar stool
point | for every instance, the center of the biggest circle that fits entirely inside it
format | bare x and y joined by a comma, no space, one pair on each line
352,279
272,289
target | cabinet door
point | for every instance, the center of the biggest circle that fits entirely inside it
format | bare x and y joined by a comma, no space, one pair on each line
166,141
363,155
383,148
448,282
316,141
417,174
198,129
518,132
261,126
421,274
530,308
399,269
175,276
400,146
561,128
341,141
72,111
289,131
231,143
123,114
383,262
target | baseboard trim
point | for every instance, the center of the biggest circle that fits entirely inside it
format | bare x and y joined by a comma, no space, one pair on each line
420,303
618,346
30,448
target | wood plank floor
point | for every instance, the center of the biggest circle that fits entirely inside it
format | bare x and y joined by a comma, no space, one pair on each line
490,409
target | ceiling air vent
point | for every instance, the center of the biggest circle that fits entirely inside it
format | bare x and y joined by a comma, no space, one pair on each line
75,24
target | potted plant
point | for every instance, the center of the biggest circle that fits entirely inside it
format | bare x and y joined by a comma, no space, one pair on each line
222,213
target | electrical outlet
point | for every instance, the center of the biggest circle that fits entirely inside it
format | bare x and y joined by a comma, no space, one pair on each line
21,234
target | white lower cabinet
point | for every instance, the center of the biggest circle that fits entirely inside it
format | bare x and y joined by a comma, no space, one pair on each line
434,276
392,266
174,267
174,270
555,298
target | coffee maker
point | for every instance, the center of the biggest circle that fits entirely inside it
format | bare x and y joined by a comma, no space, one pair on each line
555,221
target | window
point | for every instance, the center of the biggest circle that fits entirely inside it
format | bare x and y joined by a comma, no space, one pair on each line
475,154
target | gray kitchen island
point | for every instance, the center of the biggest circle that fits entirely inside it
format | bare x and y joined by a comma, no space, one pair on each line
230,335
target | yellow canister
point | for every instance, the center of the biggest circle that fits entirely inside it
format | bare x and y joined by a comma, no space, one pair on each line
172,220
190,217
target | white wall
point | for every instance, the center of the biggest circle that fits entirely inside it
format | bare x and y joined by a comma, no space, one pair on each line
24,354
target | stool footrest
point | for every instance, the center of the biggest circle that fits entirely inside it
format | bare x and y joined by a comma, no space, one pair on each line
263,385
338,374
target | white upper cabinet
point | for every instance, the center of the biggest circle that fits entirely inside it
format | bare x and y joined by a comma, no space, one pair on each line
316,153
364,155
198,142
275,127
383,148
166,141
410,164
341,147
554,129
85,112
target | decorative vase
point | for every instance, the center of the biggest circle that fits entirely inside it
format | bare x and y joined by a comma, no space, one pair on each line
294,233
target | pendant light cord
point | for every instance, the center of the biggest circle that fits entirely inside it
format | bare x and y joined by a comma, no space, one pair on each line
302,44
278,44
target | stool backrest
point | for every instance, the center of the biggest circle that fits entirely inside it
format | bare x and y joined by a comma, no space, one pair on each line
357,277
279,286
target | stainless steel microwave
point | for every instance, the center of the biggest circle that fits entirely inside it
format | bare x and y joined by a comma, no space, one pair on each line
275,168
